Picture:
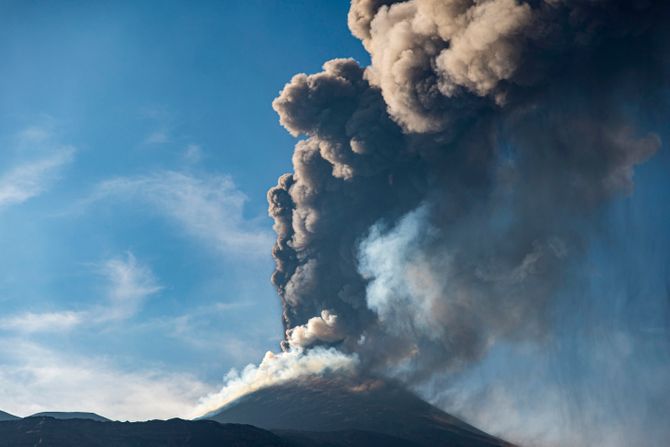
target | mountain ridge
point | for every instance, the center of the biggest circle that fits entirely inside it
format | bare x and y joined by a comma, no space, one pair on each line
70,415
48,431
4,416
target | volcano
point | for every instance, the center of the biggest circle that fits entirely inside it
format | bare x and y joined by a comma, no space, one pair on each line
335,412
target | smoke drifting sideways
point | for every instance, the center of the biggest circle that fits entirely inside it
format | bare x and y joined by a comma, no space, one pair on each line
442,198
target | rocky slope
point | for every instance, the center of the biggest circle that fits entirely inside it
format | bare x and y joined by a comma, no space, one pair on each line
317,408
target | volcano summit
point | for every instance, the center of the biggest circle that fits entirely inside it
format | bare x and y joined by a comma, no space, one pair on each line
343,412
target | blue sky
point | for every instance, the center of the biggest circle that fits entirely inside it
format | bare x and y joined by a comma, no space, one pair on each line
137,144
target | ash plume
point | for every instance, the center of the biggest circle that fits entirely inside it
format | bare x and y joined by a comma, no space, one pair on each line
442,196
441,192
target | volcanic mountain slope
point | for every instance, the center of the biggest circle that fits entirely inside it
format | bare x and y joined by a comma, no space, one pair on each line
7,417
70,415
328,410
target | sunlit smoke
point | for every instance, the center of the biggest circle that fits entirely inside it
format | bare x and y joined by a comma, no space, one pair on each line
276,369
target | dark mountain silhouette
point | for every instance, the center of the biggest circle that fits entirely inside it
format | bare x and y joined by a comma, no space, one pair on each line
330,410
7,417
70,415
51,432
47,431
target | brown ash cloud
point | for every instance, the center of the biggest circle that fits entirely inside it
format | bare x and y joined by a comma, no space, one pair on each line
440,195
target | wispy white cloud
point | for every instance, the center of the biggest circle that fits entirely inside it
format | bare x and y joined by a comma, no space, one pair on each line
209,208
31,178
34,378
35,134
129,284
42,322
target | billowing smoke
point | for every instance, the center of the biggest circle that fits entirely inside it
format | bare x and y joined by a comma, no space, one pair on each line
277,369
442,196
442,191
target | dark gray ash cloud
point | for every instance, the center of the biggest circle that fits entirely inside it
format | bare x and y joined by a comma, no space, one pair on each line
441,193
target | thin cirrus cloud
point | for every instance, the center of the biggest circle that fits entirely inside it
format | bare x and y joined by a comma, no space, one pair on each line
29,179
209,208
129,284
41,322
